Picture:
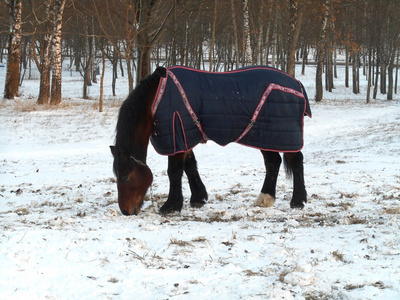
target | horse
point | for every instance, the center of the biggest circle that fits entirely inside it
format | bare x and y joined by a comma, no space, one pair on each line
177,108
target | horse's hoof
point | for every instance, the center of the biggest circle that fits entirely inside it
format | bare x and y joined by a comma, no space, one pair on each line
199,198
297,205
197,204
169,209
264,200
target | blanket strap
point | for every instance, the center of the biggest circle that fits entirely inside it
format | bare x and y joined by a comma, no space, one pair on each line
264,97
186,102
159,94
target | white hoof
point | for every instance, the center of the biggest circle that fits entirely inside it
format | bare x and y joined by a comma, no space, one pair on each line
264,200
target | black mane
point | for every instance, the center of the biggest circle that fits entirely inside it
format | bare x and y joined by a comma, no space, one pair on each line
133,109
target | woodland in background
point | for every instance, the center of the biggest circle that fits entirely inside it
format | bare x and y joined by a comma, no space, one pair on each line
211,34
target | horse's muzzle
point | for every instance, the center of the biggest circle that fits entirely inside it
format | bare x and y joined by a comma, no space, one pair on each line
127,213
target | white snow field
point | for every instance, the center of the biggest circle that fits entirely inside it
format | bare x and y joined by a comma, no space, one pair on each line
62,235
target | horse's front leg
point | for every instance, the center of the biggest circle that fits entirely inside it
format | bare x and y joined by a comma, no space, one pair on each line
199,192
175,171
295,165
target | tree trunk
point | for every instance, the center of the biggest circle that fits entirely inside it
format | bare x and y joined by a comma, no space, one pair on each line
115,71
211,54
303,65
235,32
174,52
246,34
147,39
346,72
383,76
259,52
321,54
45,60
390,82
296,16
143,42
328,73
376,74
275,36
57,66
397,72
103,55
391,68
144,68
369,74
335,64
93,51
356,89
318,78
11,88
44,86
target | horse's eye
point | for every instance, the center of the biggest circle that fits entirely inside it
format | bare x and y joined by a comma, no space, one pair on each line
125,178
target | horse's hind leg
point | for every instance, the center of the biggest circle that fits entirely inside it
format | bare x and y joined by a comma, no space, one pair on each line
175,171
272,161
294,165
199,192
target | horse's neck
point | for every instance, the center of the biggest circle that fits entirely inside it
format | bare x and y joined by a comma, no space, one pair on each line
140,137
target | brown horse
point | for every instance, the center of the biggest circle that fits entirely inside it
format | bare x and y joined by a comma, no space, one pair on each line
139,121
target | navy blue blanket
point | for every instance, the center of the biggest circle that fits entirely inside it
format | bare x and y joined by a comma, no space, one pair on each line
260,107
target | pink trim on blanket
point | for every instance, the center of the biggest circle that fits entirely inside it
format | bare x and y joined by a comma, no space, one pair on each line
176,113
187,103
264,97
160,92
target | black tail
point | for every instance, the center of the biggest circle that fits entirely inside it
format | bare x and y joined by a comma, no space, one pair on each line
288,168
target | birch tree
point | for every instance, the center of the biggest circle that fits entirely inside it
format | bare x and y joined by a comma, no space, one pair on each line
57,70
11,88
246,28
45,61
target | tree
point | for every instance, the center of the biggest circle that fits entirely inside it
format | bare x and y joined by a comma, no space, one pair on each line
296,16
45,52
246,33
103,56
212,45
393,44
321,50
153,15
118,22
57,70
11,88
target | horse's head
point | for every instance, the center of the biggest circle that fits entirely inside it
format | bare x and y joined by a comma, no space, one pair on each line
134,177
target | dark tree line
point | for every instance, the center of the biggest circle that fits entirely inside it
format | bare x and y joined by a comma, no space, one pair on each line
212,35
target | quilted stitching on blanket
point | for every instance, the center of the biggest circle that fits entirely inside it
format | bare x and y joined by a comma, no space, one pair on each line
260,107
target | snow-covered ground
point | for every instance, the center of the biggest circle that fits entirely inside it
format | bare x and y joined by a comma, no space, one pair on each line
62,235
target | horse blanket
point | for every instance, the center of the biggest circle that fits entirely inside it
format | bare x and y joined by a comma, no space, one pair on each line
258,106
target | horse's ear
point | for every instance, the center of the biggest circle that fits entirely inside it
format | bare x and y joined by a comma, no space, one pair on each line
112,150
161,71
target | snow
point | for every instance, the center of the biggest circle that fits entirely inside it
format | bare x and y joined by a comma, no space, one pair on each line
63,237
